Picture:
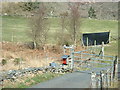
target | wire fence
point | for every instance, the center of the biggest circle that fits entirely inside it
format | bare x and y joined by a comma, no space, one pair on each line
103,68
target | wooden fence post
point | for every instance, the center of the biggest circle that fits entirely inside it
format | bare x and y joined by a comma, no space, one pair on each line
114,76
95,43
110,77
108,73
114,69
34,45
93,80
12,39
87,42
102,50
110,36
106,79
101,80
117,69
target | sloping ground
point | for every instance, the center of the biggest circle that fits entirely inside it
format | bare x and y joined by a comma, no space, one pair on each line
71,80
30,57
103,9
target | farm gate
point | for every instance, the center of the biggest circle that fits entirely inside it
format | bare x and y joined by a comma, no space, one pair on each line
103,68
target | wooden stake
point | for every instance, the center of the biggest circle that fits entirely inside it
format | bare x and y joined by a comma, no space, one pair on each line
103,50
109,37
12,39
95,43
101,80
87,42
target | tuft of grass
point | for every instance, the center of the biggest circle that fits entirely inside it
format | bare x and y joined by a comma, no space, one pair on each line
4,62
17,61
30,81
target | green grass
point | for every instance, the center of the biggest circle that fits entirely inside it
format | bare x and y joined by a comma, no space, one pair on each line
90,26
32,81
18,26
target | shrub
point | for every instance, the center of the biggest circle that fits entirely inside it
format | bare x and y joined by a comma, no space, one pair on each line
17,61
91,13
4,61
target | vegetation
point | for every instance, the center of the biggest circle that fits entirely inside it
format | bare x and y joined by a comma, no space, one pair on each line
61,38
19,27
29,6
15,26
67,28
17,61
4,61
39,25
74,23
91,13
104,10
26,82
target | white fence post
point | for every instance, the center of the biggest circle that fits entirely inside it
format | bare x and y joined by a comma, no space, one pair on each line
72,60
87,42
95,43
102,50
106,74
64,49
72,57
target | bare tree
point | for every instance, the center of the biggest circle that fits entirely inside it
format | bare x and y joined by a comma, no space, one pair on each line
40,26
75,21
62,34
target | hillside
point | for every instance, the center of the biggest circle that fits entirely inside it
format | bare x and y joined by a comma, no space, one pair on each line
103,10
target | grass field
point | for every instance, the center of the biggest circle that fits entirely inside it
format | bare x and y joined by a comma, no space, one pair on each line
18,28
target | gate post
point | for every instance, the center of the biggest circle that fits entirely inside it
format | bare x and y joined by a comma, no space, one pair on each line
64,49
72,58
